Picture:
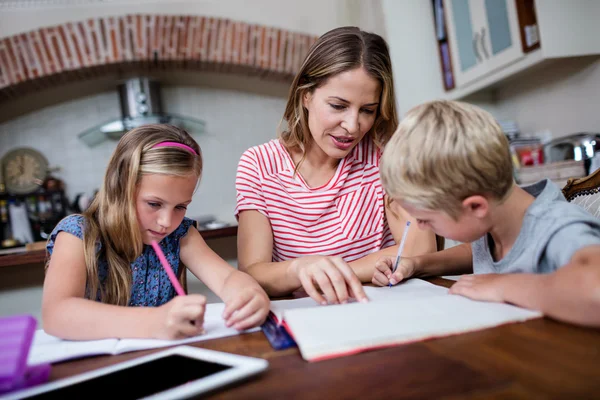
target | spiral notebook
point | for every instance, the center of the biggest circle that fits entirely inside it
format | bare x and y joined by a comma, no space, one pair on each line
409,312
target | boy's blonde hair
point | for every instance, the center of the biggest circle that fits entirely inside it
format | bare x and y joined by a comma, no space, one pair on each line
444,152
111,219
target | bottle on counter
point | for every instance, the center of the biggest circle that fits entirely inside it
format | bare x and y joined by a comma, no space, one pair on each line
6,231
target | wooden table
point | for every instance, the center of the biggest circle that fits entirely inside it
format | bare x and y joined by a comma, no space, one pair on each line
538,359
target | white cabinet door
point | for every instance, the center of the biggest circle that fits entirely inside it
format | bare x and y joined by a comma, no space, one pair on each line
463,31
502,40
484,36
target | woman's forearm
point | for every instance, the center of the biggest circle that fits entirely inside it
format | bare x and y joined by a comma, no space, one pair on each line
82,319
365,267
276,278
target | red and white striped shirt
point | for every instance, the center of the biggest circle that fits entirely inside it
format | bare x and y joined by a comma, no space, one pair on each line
344,217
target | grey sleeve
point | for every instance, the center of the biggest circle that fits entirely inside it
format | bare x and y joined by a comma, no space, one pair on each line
568,240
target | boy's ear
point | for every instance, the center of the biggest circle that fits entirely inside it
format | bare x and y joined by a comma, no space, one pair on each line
478,206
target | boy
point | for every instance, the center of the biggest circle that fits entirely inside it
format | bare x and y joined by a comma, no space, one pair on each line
449,166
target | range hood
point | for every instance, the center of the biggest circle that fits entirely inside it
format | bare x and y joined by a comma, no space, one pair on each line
140,105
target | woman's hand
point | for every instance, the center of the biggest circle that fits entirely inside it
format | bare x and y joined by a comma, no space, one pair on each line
383,275
331,276
247,309
181,317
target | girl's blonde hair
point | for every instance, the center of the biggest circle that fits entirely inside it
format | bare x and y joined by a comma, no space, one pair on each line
111,219
340,50
444,152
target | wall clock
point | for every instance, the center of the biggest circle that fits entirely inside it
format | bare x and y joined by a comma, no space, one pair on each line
24,170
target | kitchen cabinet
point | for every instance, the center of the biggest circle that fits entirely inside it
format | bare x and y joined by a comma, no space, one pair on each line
483,37
490,41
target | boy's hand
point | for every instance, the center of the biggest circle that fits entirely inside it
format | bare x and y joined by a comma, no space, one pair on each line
247,309
330,275
485,287
383,271
181,317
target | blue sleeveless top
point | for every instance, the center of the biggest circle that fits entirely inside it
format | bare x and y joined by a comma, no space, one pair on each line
151,285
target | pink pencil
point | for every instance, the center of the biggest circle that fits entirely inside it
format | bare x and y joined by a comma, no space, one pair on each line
168,269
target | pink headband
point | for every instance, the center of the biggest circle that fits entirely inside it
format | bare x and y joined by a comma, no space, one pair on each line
175,144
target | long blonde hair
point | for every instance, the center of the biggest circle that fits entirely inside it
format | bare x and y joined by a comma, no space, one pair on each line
340,50
111,219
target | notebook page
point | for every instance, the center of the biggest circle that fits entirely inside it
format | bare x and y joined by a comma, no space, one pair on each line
326,332
279,306
214,326
46,348
412,288
408,289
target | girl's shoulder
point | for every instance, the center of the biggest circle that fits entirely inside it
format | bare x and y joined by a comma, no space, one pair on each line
73,224
182,229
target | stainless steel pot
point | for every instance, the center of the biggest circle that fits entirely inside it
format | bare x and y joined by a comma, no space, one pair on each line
577,146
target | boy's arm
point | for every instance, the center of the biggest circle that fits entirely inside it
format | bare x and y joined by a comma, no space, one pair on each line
418,242
570,294
457,260
568,241
454,261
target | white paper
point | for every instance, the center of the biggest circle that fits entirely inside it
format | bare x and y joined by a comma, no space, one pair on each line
48,349
394,318
413,288
407,289
213,325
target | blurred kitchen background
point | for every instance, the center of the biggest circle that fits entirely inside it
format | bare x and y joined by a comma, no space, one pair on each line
223,69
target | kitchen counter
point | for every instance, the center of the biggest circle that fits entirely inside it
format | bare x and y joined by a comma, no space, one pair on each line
39,256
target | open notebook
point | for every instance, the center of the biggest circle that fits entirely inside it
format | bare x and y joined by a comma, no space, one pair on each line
49,349
412,311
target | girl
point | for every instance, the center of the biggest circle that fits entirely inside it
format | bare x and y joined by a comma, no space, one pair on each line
310,204
101,261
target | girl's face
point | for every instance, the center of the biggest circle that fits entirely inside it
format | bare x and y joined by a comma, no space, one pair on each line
342,111
161,202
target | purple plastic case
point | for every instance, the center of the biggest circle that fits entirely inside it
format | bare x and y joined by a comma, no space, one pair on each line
16,335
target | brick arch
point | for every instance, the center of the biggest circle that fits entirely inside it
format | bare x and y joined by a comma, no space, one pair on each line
87,49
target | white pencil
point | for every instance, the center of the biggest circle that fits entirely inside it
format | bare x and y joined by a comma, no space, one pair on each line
400,248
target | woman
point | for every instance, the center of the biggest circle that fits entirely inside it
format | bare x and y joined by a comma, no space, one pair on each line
310,205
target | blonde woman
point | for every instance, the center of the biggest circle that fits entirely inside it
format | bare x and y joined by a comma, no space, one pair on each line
310,204
103,280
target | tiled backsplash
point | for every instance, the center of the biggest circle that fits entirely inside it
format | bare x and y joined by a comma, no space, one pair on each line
234,120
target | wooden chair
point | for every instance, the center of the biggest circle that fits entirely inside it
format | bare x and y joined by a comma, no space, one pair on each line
585,192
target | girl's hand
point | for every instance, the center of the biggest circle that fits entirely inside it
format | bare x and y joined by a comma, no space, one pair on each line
485,287
181,317
332,276
247,309
383,271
